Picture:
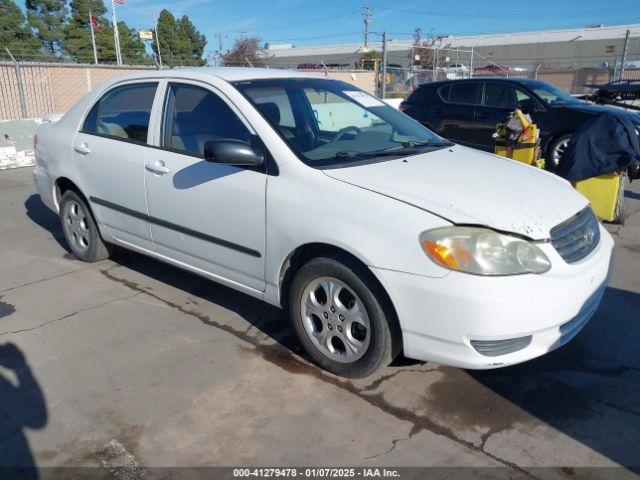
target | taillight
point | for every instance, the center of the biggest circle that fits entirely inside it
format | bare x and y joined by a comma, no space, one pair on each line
403,106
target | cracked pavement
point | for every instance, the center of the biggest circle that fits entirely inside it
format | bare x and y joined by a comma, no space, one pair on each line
183,372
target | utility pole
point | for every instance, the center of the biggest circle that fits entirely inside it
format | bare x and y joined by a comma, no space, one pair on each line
367,15
625,50
384,64
155,31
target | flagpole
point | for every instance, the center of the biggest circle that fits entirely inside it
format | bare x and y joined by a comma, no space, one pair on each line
93,38
116,36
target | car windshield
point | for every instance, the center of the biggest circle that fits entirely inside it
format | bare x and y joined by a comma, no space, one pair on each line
329,123
554,96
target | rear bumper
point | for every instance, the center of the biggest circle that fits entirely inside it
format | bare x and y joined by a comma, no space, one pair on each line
46,187
440,317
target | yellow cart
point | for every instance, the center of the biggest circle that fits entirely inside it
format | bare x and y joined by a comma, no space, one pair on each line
606,194
519,139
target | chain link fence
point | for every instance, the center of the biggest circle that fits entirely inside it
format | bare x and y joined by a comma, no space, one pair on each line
33,90
432,64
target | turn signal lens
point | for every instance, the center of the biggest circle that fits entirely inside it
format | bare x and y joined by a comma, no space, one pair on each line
482,251
440,254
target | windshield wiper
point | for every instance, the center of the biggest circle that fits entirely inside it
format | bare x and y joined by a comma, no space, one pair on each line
427,143
393,151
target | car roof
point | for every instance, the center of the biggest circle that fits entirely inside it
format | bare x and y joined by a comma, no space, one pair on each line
521,81
531,83
230,74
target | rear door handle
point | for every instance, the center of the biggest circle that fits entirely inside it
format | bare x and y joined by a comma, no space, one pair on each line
157,168
437,111
82,149
483,114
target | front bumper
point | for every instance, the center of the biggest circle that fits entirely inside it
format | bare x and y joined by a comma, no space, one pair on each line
440,317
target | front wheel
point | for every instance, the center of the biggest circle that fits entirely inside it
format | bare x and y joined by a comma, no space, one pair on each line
342,317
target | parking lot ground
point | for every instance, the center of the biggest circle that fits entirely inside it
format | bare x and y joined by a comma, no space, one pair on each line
179,371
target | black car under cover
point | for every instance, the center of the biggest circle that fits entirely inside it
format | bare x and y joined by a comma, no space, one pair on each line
604,144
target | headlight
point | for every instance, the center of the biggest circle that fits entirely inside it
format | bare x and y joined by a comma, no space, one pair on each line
482,251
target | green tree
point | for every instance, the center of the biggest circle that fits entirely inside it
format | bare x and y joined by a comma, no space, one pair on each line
245,52
132,48
77,33
15,34
78,44
47,19
180,42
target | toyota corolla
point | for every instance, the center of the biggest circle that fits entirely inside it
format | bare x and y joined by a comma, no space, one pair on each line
377,235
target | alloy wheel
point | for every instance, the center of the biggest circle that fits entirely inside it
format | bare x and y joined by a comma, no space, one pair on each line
335,319
76,226
558,150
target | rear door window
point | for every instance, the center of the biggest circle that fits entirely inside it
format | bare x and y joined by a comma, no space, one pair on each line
464,92
505,95
123,113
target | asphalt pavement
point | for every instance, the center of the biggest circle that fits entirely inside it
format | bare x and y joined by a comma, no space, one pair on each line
167,369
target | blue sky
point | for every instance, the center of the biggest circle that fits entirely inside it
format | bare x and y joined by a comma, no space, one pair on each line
340,21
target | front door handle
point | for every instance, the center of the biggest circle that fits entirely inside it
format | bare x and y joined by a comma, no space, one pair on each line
483,114
83,149
157,168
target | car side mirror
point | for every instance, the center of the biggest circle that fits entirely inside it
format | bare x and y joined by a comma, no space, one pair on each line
528,105
232,152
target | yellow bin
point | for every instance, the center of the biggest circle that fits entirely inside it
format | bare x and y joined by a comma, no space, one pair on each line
606,194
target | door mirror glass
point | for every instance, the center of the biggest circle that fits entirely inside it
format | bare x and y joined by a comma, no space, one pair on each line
232,152
528,105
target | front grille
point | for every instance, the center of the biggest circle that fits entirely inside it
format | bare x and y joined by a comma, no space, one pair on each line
576,238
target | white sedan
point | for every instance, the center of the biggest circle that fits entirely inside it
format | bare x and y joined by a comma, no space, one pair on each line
312,195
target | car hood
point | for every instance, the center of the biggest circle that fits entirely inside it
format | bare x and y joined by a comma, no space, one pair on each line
596,109
467,186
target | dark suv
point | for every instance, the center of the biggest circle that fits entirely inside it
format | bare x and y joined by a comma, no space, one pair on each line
467,111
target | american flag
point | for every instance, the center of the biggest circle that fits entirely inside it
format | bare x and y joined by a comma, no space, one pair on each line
119,2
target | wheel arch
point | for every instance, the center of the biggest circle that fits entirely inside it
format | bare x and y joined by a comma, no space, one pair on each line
62,184
303,253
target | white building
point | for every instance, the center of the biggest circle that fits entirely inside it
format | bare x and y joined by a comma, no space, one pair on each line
567,48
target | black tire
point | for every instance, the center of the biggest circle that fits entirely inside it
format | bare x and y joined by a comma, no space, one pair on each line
385,336
549,162
81,228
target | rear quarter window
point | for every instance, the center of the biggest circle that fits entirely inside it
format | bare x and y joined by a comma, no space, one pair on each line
443,92
421,94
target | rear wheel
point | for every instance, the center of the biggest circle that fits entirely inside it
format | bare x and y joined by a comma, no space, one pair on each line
80,229
342,317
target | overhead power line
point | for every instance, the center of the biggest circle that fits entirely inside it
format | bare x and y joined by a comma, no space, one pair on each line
310,21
